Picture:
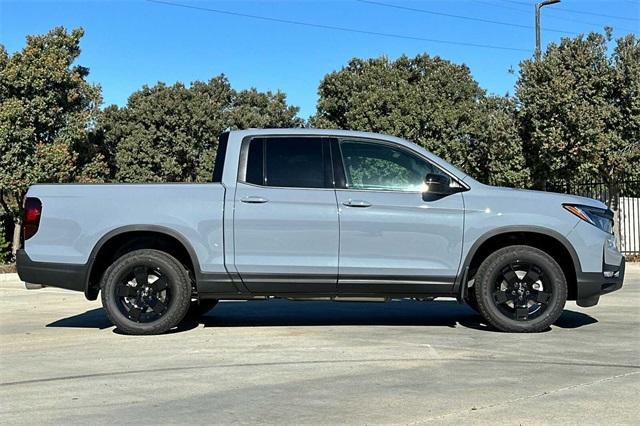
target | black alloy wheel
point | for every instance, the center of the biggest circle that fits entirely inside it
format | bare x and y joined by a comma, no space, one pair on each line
520,289
146,292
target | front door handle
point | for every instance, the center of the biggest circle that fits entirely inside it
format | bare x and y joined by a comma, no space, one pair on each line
252,199
357,203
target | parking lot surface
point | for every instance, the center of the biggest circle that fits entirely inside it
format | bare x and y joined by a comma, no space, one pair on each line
287,362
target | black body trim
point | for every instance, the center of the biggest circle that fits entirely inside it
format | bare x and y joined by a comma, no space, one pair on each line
404,285
328,285
272,284
592,285
69,276
221,282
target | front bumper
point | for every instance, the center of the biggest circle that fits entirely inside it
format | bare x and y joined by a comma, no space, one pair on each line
591,285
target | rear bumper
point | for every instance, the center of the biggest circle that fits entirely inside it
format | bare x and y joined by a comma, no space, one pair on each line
62,275
592,285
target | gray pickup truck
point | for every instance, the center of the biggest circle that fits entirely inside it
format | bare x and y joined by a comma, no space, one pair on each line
322,215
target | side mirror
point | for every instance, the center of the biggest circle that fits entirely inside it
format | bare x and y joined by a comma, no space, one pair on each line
437,184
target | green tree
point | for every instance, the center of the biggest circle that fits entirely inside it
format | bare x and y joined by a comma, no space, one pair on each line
170,133
496,155
430,101
46,107
251,108
579,110
626,95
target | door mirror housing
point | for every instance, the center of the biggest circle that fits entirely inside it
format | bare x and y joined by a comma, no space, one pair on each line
437,184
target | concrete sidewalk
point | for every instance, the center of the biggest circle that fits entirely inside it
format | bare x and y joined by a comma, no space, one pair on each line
317,363
9,278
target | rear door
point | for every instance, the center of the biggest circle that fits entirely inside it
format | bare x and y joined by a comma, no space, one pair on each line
286,217
394,238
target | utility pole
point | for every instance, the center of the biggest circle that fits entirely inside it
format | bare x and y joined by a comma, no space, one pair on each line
538,7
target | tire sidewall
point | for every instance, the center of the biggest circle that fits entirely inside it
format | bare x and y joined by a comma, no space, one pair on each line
488,274
178,284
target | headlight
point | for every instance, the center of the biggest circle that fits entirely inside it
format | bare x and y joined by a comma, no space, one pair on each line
601,218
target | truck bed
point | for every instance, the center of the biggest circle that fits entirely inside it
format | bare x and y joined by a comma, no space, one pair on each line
76,216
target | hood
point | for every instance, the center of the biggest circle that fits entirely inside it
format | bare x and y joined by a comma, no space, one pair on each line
556,196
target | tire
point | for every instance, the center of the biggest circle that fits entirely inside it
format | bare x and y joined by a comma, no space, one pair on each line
146,292
520,289
471,300
200,307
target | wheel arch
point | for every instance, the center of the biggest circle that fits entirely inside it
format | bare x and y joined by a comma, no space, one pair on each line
545,239
124,239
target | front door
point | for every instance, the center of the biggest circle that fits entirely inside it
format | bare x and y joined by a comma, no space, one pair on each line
286,217
394,239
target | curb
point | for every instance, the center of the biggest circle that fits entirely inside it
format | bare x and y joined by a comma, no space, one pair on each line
9,277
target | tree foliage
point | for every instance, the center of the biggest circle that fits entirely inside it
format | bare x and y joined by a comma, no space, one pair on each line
169,133
46,107
626,63
433,102
579,110
495,155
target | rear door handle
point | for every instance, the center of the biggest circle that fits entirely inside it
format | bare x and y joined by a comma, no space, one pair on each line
252,199
357,203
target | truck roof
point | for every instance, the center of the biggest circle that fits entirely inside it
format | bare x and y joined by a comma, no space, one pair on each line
314,132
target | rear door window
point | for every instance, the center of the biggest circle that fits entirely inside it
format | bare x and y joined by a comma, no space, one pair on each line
290,162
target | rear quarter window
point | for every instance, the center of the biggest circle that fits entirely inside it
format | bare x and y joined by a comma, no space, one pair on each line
221,153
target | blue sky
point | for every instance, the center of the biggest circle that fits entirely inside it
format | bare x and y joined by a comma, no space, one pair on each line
131,43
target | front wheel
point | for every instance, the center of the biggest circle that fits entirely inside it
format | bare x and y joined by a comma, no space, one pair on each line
146,292
471,300
520,289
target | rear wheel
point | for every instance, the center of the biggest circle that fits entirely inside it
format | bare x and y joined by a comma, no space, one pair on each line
520,289
146,292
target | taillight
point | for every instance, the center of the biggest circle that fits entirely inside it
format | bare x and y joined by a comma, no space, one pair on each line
31,219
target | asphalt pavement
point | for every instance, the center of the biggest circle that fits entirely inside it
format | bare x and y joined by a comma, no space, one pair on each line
284,362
